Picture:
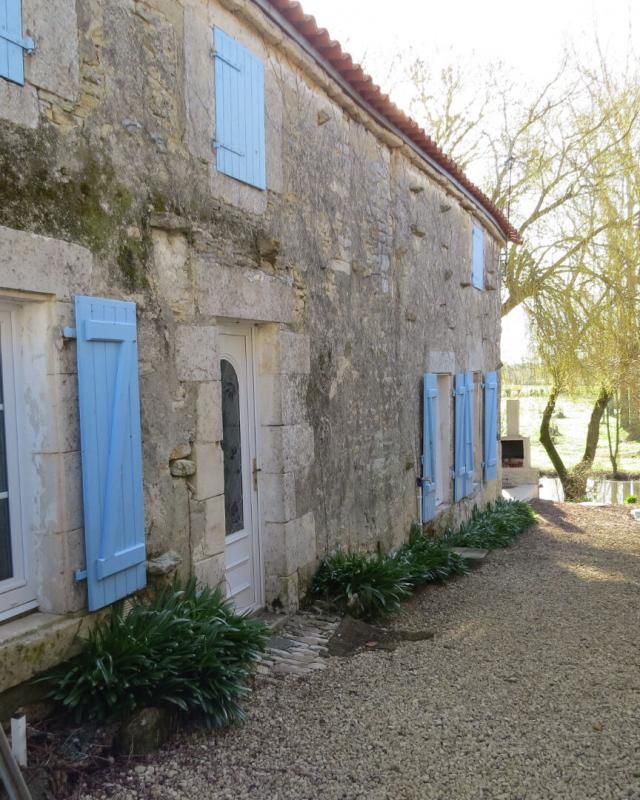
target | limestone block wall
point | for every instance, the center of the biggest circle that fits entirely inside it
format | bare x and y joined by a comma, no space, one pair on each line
353,269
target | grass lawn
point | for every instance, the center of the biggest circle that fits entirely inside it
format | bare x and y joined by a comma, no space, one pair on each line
572,430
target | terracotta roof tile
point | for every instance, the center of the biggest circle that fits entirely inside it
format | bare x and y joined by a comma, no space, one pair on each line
363,85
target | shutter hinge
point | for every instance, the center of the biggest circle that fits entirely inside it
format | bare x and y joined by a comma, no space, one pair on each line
26,43
217,144
80,575
215,54
69,333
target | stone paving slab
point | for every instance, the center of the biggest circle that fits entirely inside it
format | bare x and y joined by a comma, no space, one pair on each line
475,554
300,645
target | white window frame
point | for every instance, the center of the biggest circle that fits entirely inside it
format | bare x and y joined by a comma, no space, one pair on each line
16,593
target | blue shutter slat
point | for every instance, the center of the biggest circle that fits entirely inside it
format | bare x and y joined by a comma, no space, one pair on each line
490,426
111,446
468,430
11,54
477,256
459,467
429,454
240,120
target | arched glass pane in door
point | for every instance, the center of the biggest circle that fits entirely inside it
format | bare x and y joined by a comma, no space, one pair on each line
231,449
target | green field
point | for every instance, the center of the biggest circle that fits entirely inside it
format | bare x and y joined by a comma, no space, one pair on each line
571,418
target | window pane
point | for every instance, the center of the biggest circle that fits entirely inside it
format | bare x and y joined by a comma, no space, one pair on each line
6,561
231,448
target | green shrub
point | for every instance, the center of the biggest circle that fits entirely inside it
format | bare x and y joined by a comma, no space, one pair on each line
496,526
185,648
632,498
369,586
429,560
365,585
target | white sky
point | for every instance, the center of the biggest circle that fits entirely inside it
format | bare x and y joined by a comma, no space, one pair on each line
527,37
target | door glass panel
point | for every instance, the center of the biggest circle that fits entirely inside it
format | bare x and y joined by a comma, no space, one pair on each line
6,560
232,450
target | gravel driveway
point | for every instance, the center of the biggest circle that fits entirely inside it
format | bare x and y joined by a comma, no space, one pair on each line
530,689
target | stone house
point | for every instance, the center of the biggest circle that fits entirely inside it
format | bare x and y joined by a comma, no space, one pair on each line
249,312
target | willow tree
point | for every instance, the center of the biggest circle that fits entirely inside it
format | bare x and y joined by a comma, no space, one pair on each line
616,251
565,338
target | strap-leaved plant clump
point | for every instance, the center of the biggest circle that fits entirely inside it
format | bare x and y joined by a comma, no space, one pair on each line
184,648
369,586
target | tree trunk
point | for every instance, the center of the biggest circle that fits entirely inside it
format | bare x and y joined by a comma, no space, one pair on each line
593,431
574,481
576,486
614,443
545,435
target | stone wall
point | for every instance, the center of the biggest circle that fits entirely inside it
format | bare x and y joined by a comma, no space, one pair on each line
354,267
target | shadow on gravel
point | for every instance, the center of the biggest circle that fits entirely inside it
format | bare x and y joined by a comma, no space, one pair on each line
554,514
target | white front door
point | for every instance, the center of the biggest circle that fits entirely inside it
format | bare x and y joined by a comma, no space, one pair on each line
243,571
16,593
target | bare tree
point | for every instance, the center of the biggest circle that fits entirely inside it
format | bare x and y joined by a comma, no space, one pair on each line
562,161
537,161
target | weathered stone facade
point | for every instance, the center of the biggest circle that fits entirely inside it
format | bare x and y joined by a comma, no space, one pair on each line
353,269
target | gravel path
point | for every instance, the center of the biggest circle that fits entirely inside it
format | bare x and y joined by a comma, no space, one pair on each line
530,689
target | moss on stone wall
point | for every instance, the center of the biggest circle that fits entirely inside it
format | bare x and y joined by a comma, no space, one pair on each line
83,201
133,257
67,186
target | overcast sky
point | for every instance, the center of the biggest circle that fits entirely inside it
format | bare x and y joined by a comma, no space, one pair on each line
527,37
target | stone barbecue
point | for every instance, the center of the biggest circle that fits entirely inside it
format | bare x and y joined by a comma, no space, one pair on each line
516,451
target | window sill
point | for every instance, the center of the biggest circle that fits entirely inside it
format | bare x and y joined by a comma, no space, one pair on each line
18,611
36,642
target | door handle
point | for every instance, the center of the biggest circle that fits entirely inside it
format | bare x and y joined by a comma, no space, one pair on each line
254,471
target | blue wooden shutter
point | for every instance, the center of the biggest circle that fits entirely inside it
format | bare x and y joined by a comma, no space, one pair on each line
239,88
468,434
490,426
477,256
111,448
429,445
12,43
459,465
